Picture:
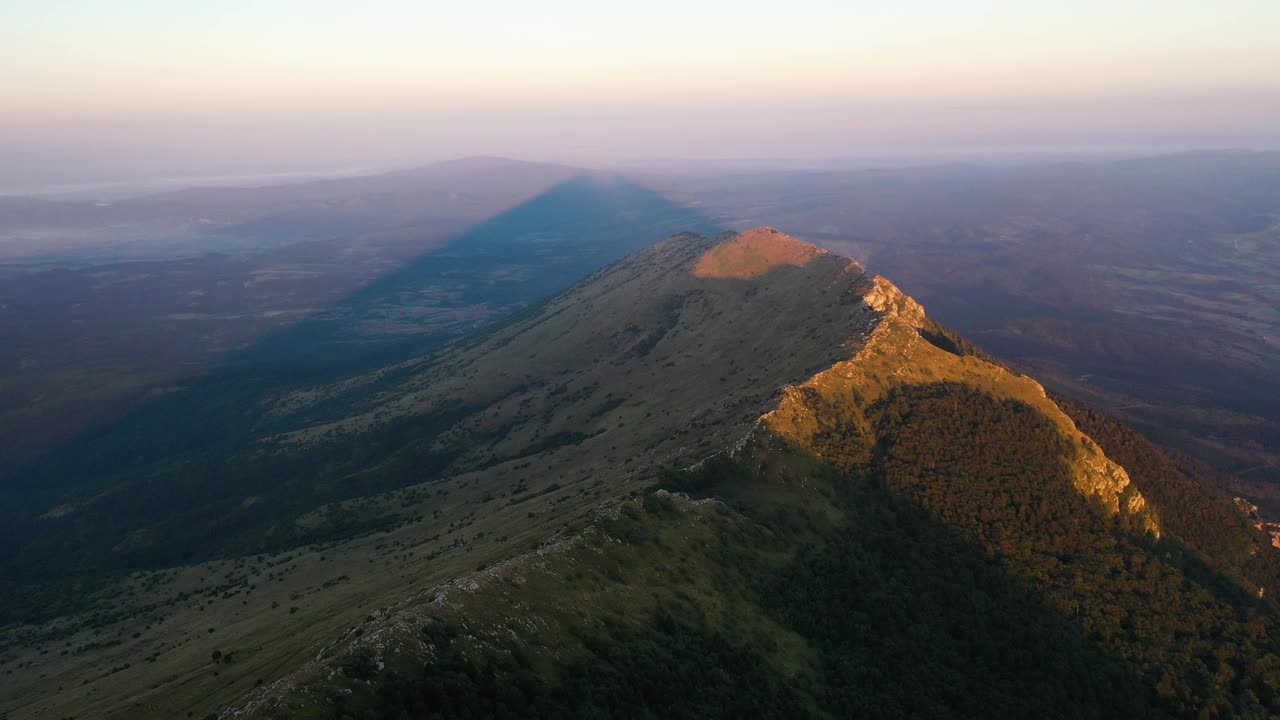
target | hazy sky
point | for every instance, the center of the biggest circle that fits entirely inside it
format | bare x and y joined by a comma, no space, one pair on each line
290,81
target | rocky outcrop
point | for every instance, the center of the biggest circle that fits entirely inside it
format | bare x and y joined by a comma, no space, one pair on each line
885,297
1272,529
895,353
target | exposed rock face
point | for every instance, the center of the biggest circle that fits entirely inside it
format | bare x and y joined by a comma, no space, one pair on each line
895,353
886,298
754,253
1272,529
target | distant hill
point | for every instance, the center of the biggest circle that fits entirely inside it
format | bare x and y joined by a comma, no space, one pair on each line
723,476
468,188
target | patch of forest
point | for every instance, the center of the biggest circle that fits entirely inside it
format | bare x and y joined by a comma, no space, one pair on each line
965,577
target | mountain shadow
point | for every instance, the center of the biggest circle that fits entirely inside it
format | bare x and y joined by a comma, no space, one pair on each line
531,251
483,275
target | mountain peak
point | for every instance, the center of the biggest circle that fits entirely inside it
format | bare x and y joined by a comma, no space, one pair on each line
755,252
885,297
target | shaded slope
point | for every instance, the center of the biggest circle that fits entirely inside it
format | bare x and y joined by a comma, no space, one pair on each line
642,362
467,457
531,251
182,463
1192,505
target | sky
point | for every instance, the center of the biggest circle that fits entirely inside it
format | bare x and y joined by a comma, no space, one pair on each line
153,86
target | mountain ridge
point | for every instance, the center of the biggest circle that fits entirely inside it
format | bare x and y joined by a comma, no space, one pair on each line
900,330
898,347
656,451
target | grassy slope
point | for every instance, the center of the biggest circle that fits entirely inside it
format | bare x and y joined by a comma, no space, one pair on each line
497,442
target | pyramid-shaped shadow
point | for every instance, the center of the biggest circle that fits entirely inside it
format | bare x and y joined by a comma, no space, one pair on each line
531,251
163,464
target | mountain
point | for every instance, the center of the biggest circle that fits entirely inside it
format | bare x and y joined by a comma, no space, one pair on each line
719,477
1148,287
